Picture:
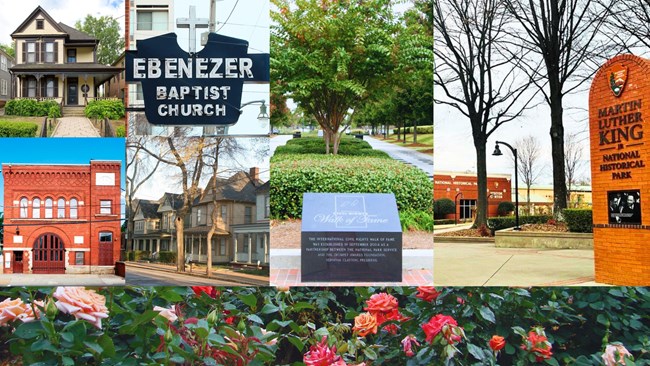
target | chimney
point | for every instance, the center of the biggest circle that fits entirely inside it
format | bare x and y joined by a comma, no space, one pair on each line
255,174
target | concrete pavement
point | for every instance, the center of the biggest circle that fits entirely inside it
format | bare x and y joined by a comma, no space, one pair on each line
420,160
278,140
75,127
43,280
482,264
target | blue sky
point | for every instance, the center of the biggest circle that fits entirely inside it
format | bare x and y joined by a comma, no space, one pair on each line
60,151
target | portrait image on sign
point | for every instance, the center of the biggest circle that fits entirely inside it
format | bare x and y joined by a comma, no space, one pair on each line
624,207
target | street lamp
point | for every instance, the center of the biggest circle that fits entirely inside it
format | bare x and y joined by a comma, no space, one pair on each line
263,116
456,207
497,152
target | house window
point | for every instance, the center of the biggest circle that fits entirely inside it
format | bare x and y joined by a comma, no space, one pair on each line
48,208
60,208
30,52
40,24
224,213
3,87
31,88
105,237
222,247
51,88
36,208
105,207
73,209
23,208
3,63
49,52
248,215
72,55
152,20
267,207
78,258
138,92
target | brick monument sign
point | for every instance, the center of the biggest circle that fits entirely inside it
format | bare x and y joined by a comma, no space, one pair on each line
619,108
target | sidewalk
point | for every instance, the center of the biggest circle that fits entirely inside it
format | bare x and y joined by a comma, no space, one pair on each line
223,274
75,127
482,264
439,229
42,280
420,160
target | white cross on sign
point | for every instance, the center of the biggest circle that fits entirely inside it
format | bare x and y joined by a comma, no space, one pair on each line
192,23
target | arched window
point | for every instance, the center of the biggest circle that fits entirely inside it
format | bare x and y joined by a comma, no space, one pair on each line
60,208
23,208
73,209
36,208
48,208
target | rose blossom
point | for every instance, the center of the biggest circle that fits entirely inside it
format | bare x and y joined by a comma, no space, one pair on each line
381,302
82,304
407,345
17,309
497,343
537,344
170,313
365,324
322,355
613,350
445,324
427,293
209,290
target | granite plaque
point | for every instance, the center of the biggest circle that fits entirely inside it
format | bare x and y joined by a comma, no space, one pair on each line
351,237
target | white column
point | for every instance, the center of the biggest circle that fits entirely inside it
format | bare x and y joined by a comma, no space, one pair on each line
250,248
266,248
234,248
158,245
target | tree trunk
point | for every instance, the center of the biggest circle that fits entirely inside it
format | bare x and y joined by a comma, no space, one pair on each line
208,265
415,132
481,176
528,199
326,136
557,146
180,244
335,143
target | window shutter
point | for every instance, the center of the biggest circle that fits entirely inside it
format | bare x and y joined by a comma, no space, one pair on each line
40,57
24,52
24,84
56,52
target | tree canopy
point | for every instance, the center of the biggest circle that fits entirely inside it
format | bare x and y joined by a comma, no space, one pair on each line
107,31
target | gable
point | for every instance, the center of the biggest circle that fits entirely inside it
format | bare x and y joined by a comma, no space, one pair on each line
30,26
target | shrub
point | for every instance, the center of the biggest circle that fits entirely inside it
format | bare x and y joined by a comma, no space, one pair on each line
442,207
498,223
293,174
416,220
120,131
316,145
29,107
578,220
357,131
54,112
505,208
108,108
421,129
17,129
139,255
167,257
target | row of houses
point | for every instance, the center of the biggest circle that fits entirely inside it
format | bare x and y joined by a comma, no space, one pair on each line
239,208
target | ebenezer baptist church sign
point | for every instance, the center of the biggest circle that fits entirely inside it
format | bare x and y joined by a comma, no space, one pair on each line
619,109
204,88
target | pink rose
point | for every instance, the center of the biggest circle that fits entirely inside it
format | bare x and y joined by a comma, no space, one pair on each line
82,304
407,345
427,293
381,303
322,355
613,350
170,313
17,309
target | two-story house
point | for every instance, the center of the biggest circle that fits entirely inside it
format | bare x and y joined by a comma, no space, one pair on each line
251,239
61,218
6,79
57,62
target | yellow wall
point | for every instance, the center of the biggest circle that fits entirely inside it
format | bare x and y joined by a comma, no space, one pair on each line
84,54
47,27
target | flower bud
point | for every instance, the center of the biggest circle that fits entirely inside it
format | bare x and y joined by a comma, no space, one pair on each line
212,318
51,310
169,336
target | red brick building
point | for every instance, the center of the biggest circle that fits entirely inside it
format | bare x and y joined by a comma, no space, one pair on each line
61,218
449,184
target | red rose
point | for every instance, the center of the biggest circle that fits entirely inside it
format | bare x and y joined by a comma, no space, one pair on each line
392,315
322,355
381,302
209,290
537,344
436,325
427,293
497,343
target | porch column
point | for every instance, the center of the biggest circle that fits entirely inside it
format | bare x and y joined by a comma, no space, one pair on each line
158,246
199,257
234,247
266,248
250,248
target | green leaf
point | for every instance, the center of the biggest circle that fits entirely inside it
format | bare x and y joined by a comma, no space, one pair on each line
370,354
552,361
94,346
255,318
302,305
44,345
487,314
29,330
270,309
476,351
248,299
177,359
68,337
297,342
67,361
106,343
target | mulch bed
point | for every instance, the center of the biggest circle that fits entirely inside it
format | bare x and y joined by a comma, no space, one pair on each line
476,233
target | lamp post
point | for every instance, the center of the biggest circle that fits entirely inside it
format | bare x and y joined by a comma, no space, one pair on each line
456,207
497,152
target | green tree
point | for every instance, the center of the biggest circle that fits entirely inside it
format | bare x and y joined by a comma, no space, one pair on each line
333,54
107,31
9,49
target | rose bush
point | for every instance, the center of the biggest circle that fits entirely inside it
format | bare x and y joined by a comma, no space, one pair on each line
325,326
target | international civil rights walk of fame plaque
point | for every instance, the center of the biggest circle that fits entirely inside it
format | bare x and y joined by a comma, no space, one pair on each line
351,237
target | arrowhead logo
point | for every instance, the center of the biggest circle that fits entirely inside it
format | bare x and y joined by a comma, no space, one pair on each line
617,80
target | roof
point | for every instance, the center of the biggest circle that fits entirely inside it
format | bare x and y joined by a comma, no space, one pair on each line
239,187
32,15
75,35
175,200
149,209
264,188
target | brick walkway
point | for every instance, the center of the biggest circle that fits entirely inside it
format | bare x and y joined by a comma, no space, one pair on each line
75,127
410,277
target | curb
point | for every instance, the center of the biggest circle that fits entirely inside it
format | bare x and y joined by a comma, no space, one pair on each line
461,239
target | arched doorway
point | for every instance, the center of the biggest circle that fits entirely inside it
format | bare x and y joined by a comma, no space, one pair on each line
49,254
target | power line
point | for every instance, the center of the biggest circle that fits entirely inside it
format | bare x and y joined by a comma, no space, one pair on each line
231,11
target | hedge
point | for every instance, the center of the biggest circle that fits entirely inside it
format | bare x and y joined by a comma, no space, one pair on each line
108,108
167,257
316,145
17,129
578,220
442,207
293,174
138,255
416,220
505,207
120,131
29,107
499,223
421,129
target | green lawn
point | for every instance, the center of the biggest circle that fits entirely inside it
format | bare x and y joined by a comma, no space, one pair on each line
424,144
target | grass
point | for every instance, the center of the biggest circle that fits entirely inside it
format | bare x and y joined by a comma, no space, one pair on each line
424,144
35,120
